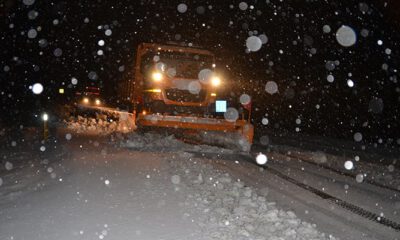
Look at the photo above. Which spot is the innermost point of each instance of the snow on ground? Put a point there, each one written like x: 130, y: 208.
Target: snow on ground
x: 104, y: 191
x: 229, y: 209
x: 25, y: 169
x: 152, y: 186
x: 384, y: 174
x: 232, y: 210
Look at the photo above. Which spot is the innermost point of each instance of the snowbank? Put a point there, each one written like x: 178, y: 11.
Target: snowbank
x: 231, y: 210
x: 101, y: 125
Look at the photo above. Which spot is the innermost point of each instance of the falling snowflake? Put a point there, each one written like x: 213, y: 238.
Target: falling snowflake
x: 346, y: 36
x: 261, y: 159
x: 253, y: 43
x: 349, y: 165
x: 37, y: 88
x: 182, y: 8
x: 271, y: 87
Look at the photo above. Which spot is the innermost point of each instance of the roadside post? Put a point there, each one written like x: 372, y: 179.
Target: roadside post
x: 45, y: 118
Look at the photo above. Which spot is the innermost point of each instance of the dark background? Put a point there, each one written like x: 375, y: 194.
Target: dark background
x: 295, y: 27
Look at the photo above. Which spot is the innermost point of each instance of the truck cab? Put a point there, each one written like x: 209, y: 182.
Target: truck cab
x: 175, y: 80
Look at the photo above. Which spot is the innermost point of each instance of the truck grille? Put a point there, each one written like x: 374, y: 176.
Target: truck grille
x: 184, y: 95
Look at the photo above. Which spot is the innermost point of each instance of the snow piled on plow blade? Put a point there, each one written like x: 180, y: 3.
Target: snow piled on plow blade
x: 165, y: 143
x: 236, y: 135
x: 159, y: 137
x: 231, y: 140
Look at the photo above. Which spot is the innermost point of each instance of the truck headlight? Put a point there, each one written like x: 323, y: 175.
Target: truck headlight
x: 85, y: 100
x: 215, y: 81
x: 97, y: 102
x: 157, y: 76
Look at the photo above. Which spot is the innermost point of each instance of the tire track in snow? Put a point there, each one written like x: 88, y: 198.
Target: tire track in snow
x: 368, y: 180
x: 346, y: 205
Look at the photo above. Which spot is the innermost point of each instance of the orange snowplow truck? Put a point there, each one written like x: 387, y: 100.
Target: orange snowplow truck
x: 177, y: 87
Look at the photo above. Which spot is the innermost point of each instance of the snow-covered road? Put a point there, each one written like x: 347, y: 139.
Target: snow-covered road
x: 92, y: 187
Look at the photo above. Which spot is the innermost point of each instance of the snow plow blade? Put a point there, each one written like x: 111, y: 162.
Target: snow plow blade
x: 238, y: 134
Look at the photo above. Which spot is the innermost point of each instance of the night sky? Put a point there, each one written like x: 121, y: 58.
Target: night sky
x: 299, y: 56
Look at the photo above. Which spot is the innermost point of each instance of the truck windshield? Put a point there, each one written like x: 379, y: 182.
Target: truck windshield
x: 177, y: 65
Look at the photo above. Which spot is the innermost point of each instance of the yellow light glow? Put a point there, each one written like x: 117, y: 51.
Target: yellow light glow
x: 157, y: 76
x: 97, y: 101
x: 86, y: 100
x: 216, y: 81
x: 213, y: 94
x: 153, y: 90
x: 61, y: 91
x: 144, y: 112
